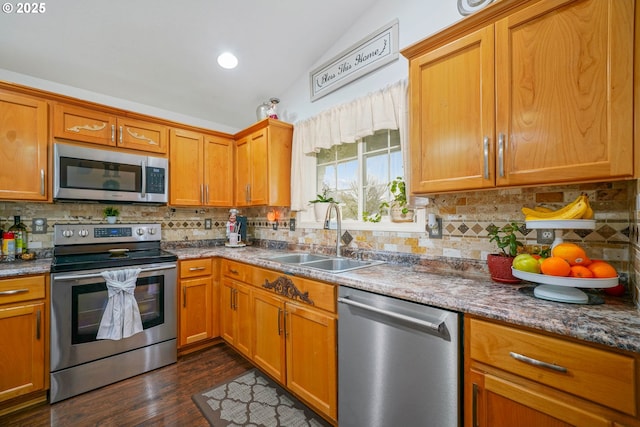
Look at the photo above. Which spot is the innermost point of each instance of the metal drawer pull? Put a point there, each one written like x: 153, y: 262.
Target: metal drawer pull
x: 14, y: 291
x: 423, y: 323
x: 232, y: 271
x: 196, y: 268
x: 536, y: 362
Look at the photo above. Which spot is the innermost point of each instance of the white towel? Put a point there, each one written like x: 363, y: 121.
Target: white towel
x: 121, y: 317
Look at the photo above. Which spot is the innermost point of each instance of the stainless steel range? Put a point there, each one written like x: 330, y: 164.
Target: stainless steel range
x: 84, y: 256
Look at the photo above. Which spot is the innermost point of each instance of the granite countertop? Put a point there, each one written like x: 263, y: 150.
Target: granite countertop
x: 615, y: 323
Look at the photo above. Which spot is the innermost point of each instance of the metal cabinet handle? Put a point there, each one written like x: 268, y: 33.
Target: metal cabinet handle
x: 474, y: 406
x: 206, y: 193
x: 279, y: 321
x: 196, y: 268
x: 184, y: 296
x: 201, y: 193
x: 42, y: 184
x: 485, y: 155
x: 536, y: 362
x: 14, y: 291
x: 120, y: 136
x: 247, y: 193
x: 38, y: 321
x: 286, y: 332
x: 113, y: 133
x: 501, y: 155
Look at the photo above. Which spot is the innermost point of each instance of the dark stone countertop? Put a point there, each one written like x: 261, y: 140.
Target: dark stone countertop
x: 614, y: 324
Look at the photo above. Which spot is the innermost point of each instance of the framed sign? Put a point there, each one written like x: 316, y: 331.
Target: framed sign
x: 371, y: 53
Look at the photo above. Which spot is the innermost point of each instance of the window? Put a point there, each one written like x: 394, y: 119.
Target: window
x: 357, y: 175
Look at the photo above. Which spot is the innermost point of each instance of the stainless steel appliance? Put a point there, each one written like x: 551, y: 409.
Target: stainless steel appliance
x: 399, y: 362
x: 79, y: 361
x: 83, y: 173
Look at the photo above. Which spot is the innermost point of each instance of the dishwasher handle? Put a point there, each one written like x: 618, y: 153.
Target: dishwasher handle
x: 439, y: 328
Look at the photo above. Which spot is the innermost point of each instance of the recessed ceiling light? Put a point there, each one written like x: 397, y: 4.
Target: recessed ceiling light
x: 227, y: 60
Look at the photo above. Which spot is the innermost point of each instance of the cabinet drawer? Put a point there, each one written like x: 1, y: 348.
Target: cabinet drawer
x: 195, y: 267
x: 21, y: 289
x: 236, y: 270
x: 601, y: 376
x: 316, y: 294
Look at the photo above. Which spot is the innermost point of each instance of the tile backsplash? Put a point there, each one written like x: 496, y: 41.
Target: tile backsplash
x: 465, y: 217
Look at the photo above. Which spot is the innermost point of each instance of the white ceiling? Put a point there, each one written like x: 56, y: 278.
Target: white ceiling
x: 163, y: 53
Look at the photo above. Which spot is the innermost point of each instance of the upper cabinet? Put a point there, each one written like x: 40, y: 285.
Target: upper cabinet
x: 263, y: 164
x: 201, y: 169
x: 524, y: 93
x: 24, y: 128
x: 97, y: 127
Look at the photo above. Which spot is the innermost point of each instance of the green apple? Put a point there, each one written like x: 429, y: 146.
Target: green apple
x: 526, y: 262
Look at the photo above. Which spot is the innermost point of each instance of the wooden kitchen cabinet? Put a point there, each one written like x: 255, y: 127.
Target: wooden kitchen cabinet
x: 524, y: 93
x: 295, y: 329
x: 24, y: 134
x: 514, y: 376
x: 263, y: 164
x: 201, y: 169
x: 199, y: 301
x: 23, y: 336
x: 236, y: 321
x: 99, y: 127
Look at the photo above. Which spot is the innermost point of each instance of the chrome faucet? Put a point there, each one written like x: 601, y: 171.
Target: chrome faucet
x: 327, y: 218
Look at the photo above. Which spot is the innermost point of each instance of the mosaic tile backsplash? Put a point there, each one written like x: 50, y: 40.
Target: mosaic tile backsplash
x: 465, y: 217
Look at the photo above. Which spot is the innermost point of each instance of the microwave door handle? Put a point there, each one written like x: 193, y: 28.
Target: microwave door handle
x: 144, y: 179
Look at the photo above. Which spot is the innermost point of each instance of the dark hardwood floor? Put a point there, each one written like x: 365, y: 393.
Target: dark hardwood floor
x: 157, y: 398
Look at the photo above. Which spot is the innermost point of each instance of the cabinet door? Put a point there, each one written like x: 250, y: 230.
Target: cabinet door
x: 80, y: 124
x: 186, y: 186
x: 452, y: 116
x: 311, y: 357
x: 243, y: 320
x: 218, y: 172
x: 242, y: 172
x: 564, y: 81
x: 141, y: 135
x: 227, y: 312
x: 269, y: 348
x: 258, y: 146
x: 22, y: 369
x: 23, y: 147
x: 196, y: 314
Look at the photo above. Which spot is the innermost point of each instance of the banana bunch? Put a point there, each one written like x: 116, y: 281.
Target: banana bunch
x: 578, y: 209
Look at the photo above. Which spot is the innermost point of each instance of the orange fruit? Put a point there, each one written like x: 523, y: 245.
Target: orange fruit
x: 580, y: 271
x: 602, y: 270
x: 555, y: 266
x: 572, y: 253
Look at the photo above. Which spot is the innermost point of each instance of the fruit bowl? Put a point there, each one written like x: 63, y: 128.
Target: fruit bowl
x: 574, y: 282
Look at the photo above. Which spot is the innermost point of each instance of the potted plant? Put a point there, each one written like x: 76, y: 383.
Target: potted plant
x: 399, y: 206
x: 500, y: 263
x: 321, y: 203
x: 111, y: 214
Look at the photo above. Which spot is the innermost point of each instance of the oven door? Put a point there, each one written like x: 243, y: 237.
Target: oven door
x: 78, y: 300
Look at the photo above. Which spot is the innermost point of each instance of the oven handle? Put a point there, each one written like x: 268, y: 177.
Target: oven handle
x: 92, y: 275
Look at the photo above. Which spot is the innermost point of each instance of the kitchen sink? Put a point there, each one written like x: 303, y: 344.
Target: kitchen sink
x: 297, y: 258
x: 323, y: 262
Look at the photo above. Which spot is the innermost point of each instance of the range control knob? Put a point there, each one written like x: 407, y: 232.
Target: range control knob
x: 67, y: 233
x: 139, y: 231
x: 83, y: 233
x: 152, y: 231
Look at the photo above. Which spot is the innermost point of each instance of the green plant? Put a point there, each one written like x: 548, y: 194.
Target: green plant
x: 110, y: 211
x: 398, y: 190
x: 505, y: 238
x: 323, y: 197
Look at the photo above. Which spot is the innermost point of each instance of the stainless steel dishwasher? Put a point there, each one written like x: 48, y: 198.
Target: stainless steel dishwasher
x: 398, y: 362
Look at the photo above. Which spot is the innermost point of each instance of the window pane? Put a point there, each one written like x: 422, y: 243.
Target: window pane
x: 377, y: 141
x: 349, y: 202
x: 394, y: 136
x: 326, y: 177
x: 325, y: 156
x: 347, y: 174
x: 396, y: 164
x: 376, y: 167
x: 346, y: 151
x: 373, y: 196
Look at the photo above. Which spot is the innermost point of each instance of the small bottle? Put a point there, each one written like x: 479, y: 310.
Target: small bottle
x: 8, y: 246
x: 19, y: 231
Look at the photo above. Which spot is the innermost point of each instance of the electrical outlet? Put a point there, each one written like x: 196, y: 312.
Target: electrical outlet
x: 292, y: 224
x: 545, y: 237
x: 39, y: 226
x: 207, y: 224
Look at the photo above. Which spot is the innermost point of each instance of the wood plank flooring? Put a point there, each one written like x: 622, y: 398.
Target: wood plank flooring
x: 157, y: 398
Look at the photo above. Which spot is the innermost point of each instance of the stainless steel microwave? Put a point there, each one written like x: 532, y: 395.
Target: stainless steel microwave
x: 82, y: 173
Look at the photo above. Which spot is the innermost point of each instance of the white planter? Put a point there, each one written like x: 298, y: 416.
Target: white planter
x: 398, y: 216
x: 320, y: 209
x: 112, y: 219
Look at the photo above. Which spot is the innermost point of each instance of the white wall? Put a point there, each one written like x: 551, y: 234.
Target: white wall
x: 417, y: 20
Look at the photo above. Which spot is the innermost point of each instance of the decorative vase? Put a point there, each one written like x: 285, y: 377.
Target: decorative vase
x: 112, y: 219
x: 500, y: 268
x: 320, y: 210
x: 397, y: 216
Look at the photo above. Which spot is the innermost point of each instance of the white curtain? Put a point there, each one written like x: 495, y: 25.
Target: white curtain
x: 345, y: 124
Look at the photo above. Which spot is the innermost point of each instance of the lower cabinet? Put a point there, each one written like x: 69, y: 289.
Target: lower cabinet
x: 519, y: 377
x: 198, y: 300
x: 235, y: 315
x: 23, y: 334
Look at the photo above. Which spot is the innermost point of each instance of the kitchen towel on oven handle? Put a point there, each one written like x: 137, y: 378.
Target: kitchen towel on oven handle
x: 121, y: 317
